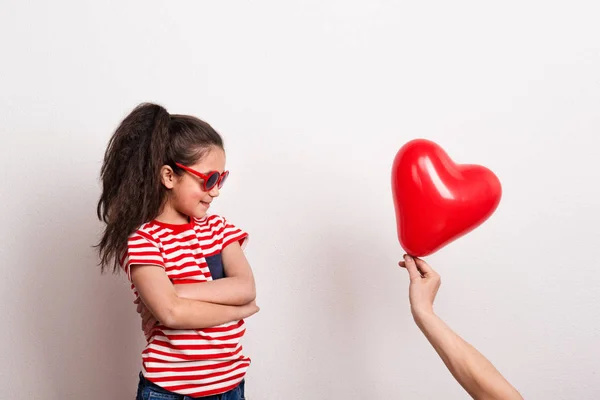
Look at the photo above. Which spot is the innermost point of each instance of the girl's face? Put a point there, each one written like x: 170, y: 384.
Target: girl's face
x: 186, y: 195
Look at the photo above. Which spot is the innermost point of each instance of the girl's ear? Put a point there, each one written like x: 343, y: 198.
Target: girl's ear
x: 167, y: 176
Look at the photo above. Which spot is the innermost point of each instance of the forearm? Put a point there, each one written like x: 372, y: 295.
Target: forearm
x: 233, y: 291
x: 194, y: 314
x: 469, y: 367
x: 158, y: 294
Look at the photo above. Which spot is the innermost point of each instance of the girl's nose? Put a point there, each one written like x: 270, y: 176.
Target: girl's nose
x: 214, y: 192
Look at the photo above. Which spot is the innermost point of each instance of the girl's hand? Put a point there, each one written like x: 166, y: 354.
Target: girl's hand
x: 424, y: 285
x: 248, y: 309
x: 148, y: 320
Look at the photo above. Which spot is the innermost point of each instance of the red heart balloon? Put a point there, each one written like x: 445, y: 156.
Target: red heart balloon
x: 436, y: 200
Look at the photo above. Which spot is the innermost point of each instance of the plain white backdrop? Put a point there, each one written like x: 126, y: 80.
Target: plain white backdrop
x: 313, y: 98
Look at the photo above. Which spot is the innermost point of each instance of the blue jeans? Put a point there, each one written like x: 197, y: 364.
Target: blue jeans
x: 150, y: 391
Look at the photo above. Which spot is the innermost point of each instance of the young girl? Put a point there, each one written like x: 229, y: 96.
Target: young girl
x: 160, y: 174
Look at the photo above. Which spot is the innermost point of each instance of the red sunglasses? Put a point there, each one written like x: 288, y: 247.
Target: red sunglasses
x: 209, y: 181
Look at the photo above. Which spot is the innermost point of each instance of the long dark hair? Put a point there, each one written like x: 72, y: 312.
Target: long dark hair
x: 132, y: 192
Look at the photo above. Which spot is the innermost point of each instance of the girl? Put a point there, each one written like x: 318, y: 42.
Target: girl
x: 160, y: 174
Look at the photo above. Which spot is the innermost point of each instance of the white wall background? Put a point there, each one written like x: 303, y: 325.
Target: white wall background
x: 314, y: 99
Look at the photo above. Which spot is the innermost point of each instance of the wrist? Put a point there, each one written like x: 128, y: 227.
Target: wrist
x: 422, y: 314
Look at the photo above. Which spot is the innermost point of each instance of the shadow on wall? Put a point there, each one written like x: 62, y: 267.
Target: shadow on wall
x: 83, y: 324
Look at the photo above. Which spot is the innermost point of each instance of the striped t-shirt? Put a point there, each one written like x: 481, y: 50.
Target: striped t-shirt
x: 192, y: 362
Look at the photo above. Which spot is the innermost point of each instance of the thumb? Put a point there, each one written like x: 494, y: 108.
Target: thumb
x: 410, y: 265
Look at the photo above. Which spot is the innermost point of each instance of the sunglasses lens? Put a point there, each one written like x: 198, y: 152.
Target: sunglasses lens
x: 223, y: 178
x: 212, y: 180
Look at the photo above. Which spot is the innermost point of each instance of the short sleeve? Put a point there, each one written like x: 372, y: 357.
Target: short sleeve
x: 232, y: 233
x: 142, y: 249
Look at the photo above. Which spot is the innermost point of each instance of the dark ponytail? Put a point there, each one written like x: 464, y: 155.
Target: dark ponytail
x: 132, y: 192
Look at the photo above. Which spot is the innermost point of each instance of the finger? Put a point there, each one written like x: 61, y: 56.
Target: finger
x: 424, y: 267
x: 411, y: 267
x: 136, y: 301
x: 148, y: 326
x: 139, y: 308
x: 146, y: 315
x: 402, y: 264
x: 151, y: 324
